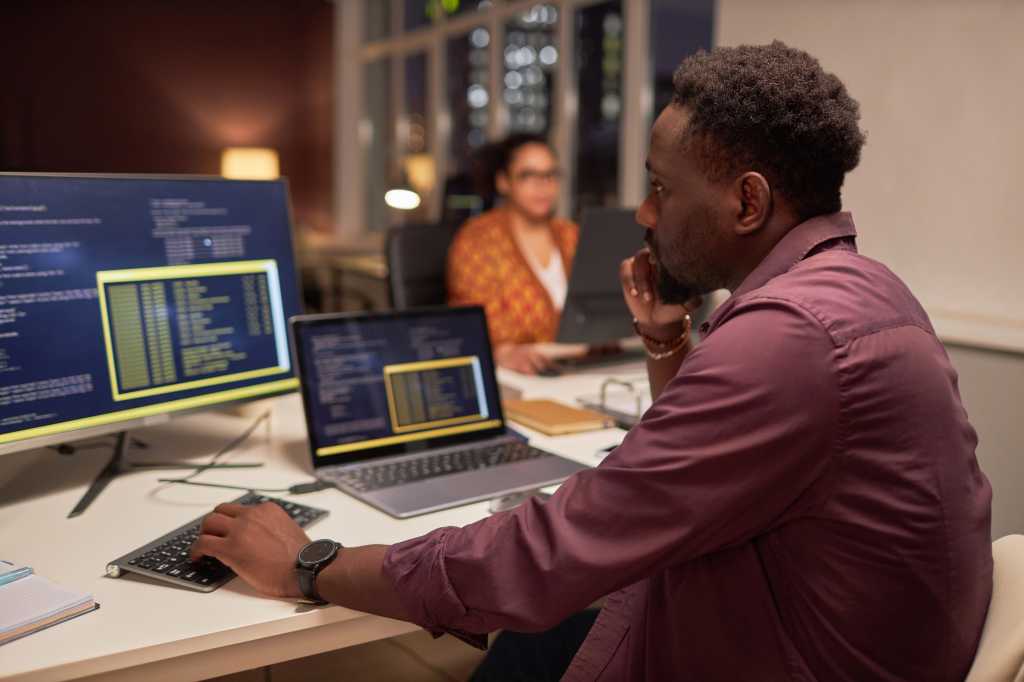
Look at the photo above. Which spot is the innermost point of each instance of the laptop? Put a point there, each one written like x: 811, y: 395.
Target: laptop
x: 595, y: 312
x: 596, y: 327
x: 403, y: 411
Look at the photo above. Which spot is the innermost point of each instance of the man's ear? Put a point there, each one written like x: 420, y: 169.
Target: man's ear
x: 753, y: 196
x: 501, y: 183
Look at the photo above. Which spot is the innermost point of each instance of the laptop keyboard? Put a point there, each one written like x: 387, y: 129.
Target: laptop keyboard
x: 375, y: 477
x: 167, y: 557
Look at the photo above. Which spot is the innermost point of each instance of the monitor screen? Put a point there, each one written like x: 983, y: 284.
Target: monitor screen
x: 386, y: 383
x: 129, y: 298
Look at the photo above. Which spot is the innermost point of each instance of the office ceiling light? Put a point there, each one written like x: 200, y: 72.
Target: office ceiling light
x: 402, y: 198
x: 249, y: 163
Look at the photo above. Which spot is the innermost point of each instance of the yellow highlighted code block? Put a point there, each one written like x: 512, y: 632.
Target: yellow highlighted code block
x: 160, y: 331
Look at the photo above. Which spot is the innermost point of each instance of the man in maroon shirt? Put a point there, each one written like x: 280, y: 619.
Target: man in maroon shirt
x: 801, y: 502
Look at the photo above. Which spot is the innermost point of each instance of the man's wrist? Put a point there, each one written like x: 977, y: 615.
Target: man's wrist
x: 661, y: 333
x: 670, y: 342
x: 311, y: 560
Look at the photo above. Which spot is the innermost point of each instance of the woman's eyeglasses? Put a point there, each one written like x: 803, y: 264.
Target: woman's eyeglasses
x: 534, y: 176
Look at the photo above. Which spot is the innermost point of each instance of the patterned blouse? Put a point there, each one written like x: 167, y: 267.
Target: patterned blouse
x: 486, y: 267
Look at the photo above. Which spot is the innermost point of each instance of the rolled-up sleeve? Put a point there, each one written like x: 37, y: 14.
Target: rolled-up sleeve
x: 734, y: 447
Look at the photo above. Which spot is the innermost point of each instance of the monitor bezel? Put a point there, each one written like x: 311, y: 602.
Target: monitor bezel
x: 73, y: 434
x: 398, y: 449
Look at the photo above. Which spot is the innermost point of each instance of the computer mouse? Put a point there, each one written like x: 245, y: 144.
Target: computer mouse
x: 549, y: 371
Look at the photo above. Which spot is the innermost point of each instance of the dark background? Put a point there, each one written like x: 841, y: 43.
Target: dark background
x: 162, y: 86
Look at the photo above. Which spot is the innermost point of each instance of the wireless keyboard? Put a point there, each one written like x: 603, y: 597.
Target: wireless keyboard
x: 167, y: 557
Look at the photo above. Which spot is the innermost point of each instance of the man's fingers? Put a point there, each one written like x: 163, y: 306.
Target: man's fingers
x: 228, y: 509
x: 636, y: 275
x: 216, y: 524
x: 626, y: 277
x: 209, y: 545
x: 643, y: 275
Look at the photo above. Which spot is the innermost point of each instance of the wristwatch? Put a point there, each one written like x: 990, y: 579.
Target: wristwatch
x: 313, y: 558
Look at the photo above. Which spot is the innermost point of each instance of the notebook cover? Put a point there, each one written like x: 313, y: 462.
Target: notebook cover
x: 554, y: 418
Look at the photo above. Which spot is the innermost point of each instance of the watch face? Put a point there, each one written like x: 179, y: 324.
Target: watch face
x: 317, y: 551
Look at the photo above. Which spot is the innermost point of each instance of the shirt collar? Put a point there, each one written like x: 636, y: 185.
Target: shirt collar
x: 791, y: 249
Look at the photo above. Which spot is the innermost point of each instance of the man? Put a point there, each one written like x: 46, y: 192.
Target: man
x: 802, y: 501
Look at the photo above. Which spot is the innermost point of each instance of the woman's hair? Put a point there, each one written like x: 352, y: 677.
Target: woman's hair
x: 507, y: 148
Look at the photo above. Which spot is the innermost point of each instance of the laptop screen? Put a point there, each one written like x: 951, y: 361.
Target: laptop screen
x: 384, y: 384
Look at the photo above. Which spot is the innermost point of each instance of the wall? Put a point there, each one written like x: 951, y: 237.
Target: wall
x: 992, y: 388
x: 935, y: 195
x: 938, y: 185
x: 153, y: 86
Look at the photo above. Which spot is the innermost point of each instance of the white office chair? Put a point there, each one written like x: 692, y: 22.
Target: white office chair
x: 1000, y: 656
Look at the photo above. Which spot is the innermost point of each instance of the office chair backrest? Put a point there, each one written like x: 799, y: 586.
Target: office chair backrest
x: 416, y: 264
x: 1001, y: 650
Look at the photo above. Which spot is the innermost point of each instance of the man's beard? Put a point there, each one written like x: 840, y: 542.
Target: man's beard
x: 670, y: 288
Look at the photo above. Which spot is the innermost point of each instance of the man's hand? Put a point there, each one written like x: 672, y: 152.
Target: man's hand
x: 524, y: 358
x: 656, y: 319
x: 260, y: 543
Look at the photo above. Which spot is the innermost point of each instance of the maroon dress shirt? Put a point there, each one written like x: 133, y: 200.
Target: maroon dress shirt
x: 802, y: 502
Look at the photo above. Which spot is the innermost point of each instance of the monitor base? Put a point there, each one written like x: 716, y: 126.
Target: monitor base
x: 117, y: 466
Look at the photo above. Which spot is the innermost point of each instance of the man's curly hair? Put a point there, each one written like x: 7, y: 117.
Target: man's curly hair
x: 774, y: 110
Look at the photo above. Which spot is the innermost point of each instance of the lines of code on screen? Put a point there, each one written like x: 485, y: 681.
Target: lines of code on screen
x: 127, y: 297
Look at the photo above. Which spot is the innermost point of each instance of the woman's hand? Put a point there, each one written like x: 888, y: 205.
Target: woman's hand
x: 524, y: 358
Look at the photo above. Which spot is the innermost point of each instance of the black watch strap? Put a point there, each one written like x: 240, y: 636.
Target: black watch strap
x: 307, y: 584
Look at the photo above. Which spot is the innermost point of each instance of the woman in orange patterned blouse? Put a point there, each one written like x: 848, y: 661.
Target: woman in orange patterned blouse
x: 515, y: 259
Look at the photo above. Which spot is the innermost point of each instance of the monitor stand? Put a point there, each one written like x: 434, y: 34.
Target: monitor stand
x: 117, y: 465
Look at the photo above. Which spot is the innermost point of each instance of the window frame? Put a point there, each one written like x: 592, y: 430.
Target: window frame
x: 353, y: 53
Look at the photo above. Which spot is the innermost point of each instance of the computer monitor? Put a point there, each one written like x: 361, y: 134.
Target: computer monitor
x: 127, y: 299
x: 595, y: 311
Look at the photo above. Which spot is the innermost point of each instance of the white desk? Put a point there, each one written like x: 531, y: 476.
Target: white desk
x: 157, y: 632
x: 571, y: 385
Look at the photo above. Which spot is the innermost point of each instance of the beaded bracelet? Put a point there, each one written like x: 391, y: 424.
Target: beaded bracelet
x: 664, y: 349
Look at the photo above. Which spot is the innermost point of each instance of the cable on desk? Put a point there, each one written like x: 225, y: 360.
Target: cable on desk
x: 297, y: 489
x: 242, y: 437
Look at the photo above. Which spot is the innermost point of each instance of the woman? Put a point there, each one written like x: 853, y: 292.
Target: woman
x: 515, y: 259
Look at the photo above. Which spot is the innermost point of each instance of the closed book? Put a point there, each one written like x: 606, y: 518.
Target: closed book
x: 33, y: 603
x: 554, y: 418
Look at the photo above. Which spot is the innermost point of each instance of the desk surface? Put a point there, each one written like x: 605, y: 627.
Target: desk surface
x: 164, y: 632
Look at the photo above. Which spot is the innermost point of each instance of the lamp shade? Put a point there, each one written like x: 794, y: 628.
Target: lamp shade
x: 249, y: 163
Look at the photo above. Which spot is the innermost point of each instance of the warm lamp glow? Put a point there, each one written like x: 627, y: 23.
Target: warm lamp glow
x: 402, y: 199
x: 420, y: 170
x: 249, y: 163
